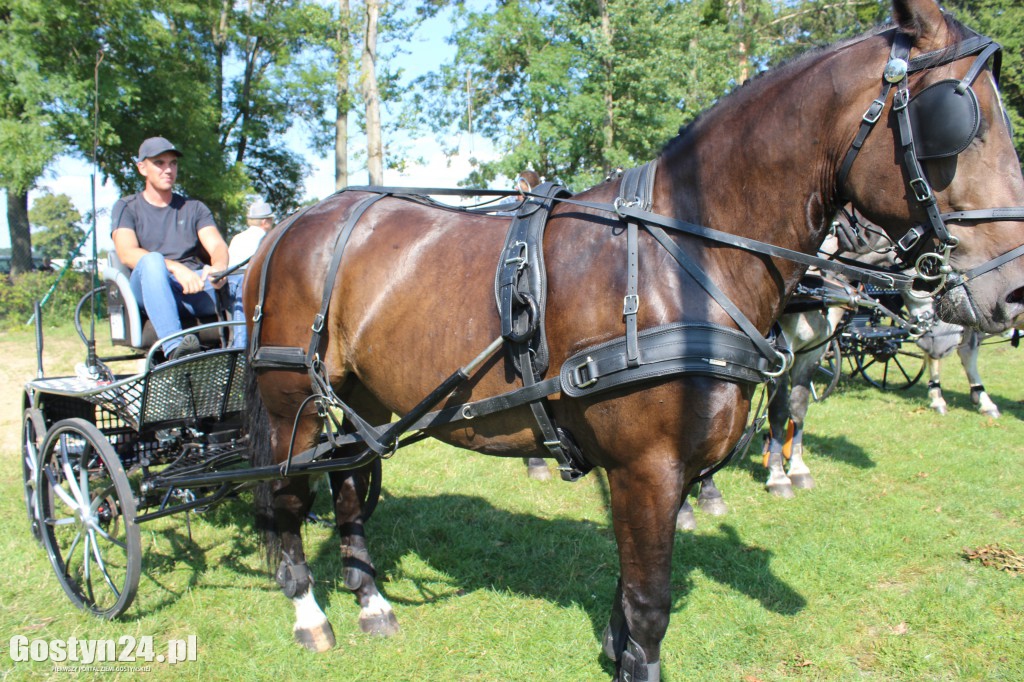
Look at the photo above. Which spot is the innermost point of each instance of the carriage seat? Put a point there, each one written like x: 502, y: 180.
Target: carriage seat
x: 129, y: 325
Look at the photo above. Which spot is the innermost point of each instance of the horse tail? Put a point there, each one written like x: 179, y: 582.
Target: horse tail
x: 257, y: 425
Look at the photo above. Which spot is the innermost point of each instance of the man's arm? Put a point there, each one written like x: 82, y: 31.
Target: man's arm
x: 127, y: 246
x: 215, y: 245
x: 126, y: 243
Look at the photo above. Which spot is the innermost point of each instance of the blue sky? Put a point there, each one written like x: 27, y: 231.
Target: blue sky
x: 426, y: 52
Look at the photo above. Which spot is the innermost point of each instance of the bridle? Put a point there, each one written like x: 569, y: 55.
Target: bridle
x: 938, y: 122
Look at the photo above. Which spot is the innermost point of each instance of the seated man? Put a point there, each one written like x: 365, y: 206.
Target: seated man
x: 159, y: 235
x: 243, y: 245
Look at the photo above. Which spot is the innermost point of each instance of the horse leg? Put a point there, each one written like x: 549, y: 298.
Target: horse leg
x: 938, y: 403
x: 799, y: 474
x: 968, y: 352
x: 375, y: 616
x: 537, y: 468
x: 291, y: 503
x: 644, y: 505
x: 685, y: 520
x: 710, y: 498
x: 778, y: 482
x: 283, y: 504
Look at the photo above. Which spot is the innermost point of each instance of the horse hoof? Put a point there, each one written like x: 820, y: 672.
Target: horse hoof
x: 941, y: 409
x: 991, y: 414
x: 382, y: 624
x: 802, y: 481
x: 685, y: 520
x: 715, y: 506
x: 316, y: 639
x: 783, y: 490
x: 539, y: 472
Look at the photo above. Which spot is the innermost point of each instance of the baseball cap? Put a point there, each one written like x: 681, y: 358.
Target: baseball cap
x: 155, y: 146
x: 260, y: 209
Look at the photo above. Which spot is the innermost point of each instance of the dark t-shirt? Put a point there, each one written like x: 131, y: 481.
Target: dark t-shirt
x: 171, y: 230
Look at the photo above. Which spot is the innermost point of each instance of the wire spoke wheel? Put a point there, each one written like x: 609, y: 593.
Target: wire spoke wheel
x: 826, y: 375
x: 885, y: 357
x: 33, y: 428
x: 87, y: 518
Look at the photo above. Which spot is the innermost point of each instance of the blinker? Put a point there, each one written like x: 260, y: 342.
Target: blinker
x: 895, y: 70
x: 944, y: 118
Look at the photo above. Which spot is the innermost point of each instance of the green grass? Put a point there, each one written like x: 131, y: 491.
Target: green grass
x: 496, y: 577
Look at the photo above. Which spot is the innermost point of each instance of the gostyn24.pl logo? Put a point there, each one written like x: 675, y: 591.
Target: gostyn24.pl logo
x: 126, y: 649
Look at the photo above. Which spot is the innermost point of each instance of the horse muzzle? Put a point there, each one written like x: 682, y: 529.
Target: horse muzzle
x: 960, y: 304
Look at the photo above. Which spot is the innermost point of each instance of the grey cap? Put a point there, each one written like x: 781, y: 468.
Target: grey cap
x: 260, y: 209
x: 155, y: 146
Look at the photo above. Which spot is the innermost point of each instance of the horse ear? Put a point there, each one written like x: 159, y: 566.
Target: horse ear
x: 922, y: 20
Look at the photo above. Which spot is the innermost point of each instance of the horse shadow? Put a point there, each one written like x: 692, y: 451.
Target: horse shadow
x: 189, y: 552
x: 836, y: 448
x: 959, y: 400
x: 471, y: 545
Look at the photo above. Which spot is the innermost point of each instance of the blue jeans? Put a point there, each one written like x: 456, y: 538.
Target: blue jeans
x: 163, y: 299
x: 238, y: 334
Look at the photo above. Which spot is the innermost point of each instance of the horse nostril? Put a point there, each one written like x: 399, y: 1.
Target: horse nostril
x: 1016, y: 296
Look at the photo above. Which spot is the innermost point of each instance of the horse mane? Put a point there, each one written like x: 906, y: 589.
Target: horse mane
x: 957, y: 29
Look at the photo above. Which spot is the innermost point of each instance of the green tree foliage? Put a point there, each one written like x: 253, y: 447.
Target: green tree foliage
x: 58, y: 226
x: 225, y: 81
x: 574, y: 89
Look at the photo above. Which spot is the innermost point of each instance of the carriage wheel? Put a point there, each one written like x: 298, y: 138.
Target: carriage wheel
x: 826, y: 375
x: 886, y: 360
x: 87, y: 517
x: 33, y: 428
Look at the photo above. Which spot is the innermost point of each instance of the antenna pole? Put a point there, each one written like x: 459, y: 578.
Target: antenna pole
x: 91, y: 345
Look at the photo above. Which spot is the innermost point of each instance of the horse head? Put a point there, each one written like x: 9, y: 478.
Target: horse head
x: 939, y: 171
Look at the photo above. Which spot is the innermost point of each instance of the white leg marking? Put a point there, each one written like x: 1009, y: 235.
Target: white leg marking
x: 377, y: 606
x: 308, y: 615
x: 797, y: 467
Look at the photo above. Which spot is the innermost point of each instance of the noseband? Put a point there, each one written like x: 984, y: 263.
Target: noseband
x: 941, y: 121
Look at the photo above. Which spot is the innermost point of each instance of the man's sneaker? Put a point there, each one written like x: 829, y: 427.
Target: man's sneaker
x: 189, y: 345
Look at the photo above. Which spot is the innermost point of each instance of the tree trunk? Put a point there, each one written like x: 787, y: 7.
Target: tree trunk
x: 342, y: 100
x: 371, y: 95
x: 20, y: 233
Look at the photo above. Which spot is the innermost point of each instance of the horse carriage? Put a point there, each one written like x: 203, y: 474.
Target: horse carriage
x: 633, y: 326
x: 873, y: 339
x: 104, y: 453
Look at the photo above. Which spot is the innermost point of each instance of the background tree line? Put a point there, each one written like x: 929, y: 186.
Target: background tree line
x: 571, y: 88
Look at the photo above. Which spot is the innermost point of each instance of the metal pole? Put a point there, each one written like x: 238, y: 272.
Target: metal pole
x: 91, y: 345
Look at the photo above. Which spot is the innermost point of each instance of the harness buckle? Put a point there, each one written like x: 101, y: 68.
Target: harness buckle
x: 630, y: 304
x: 922, y: 192
x: 874, y: 112
x: 318, y: 323
x: 900, y: 100
x: 910, y: 239
x: 619, y: 204
x: 585, y: 373
x: 522, y: 259
x: 257, y: 313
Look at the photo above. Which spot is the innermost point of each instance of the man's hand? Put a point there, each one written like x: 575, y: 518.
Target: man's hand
x: 191, y: 282
x: 217, y: 283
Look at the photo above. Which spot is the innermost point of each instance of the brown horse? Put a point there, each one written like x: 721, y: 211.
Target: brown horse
x: 414, y: 298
